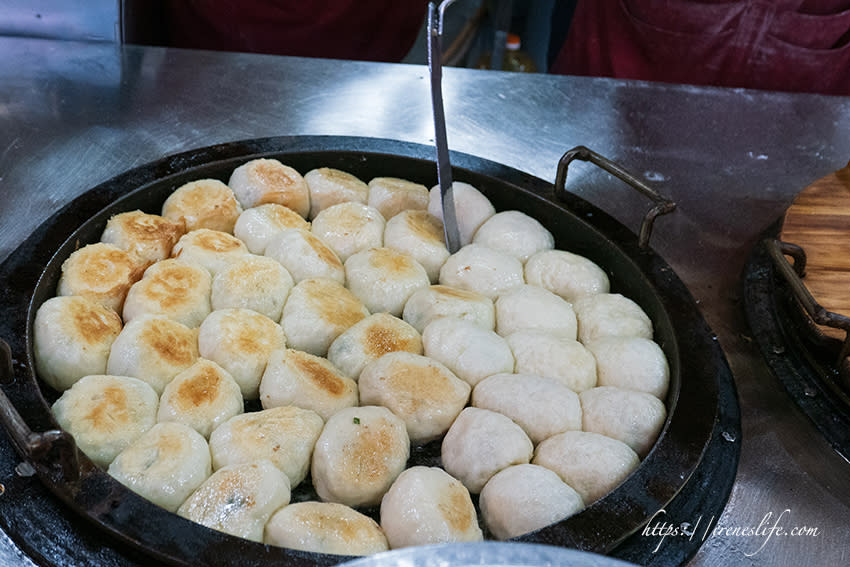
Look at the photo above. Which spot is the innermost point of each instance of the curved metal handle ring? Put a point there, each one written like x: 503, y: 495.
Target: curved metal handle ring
x: 662, y: 206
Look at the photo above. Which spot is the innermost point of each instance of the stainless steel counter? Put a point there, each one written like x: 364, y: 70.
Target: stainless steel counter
x: 74, y: 114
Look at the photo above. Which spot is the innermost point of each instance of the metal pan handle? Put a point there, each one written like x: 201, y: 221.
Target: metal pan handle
x: 53, y: 452
x: 662, y: 206
x: 778, y: 250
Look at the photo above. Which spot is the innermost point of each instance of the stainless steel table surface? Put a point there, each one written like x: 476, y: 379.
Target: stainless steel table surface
x: 75, y: 114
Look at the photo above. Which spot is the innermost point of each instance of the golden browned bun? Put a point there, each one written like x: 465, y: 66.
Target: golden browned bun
x: 329, y: 187
x: 256, y: 226
x: 212, y: 249
x: 391, y: 196
x: 370, y: 339
x: 178, y: 290
x: 150, y: 237
x: 262, y: 181
x: 100, y: 272
x: 73, y: 336
x: 205, y: 203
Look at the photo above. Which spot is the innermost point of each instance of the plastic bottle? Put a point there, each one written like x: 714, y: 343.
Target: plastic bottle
x: 514, y: 59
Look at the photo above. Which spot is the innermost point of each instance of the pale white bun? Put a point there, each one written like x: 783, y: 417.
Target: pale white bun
x: 165, y: 465
x: 635, y: 418
x: 552, y: 356
x: 325, y: 527
x: 541, y: 406
x: 348, y: 228
x: 203, y: 396
x: 425, y: 505
x: 240, y: 341
x: 384, y: 279
x: 285, y: 435
x: 317, y: 311
x: 391, y: 195
x: 305, y: 256
x: 212, y: 249
x: 258, y: 225
x: 533, y: 307
x: 569, y: 275
x: 472, y: 208
x: 591, y: 463
x: 100, y: 272
x: 466, y: 349
x: 514, y: 233
x: 106, y: 413
x: 631, y: 363
x: 72, y: 337
x: 252, y: 282
x: 239, y: 499
x: 478, y: 268
x: 359, y: 454
x: 149, y: 237
x: 330, y: 186
x: 370, y: 339
x: 205, y: 203
x: 435, y: 301
x: 153, y: 348
x: 524, y: 498
x: 421, y: 391
x: 172, y: 288
x: 300, y: 379
x: 480, y: 443
x: 262, y: 181
x: 420, y: 235
x: 610, y: 315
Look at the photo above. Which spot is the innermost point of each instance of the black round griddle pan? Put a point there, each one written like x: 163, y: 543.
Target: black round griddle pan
x: 701, y: 402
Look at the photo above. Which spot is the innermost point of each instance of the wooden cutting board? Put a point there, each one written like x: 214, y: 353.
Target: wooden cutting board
x: 819, y: 222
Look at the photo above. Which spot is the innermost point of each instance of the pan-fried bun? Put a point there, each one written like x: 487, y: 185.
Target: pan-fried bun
x: 101, y: 272
x: 212, y: 249
x: 610, y: 315
x: 240, y: 341
x: 422, y: 392
x: 514, y: 233
x: 533, y: 307
x: 632, y: 363
x: 252, y: 282
x: 466, y: 349
x: 305, y: 256
x: 524, y: 498
x: 203, y: 396
x: 425, y: 505
x: 165, y: 465
x: 569, y: 275
x: 635, y: 418
x: 106, y: 413
x: 391, y: 195
x: 262, y: 181
x: 472, y: 208
x: 541, y: 406
x: 205, y: 203
x: 297, y: 378
x: 359, y: 454
x: 370, y: 339
x: 420, y: 235
x: 325, y: 527
x: 174, y: 289
x: 480, y: 443
x: 331, y: 186
x: 153, y: 348
x: 318, y: 311
x: 384, y: 279
x: 348, y: 228
x: 285, y: 435
x: 544, y: 354
x: 591, y: 463
x: 478, y: 268
x: 72, y: 339
x: 256, y: 226
x: 239, y: 499
x: 435, y: 301
x: 149, y: 237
